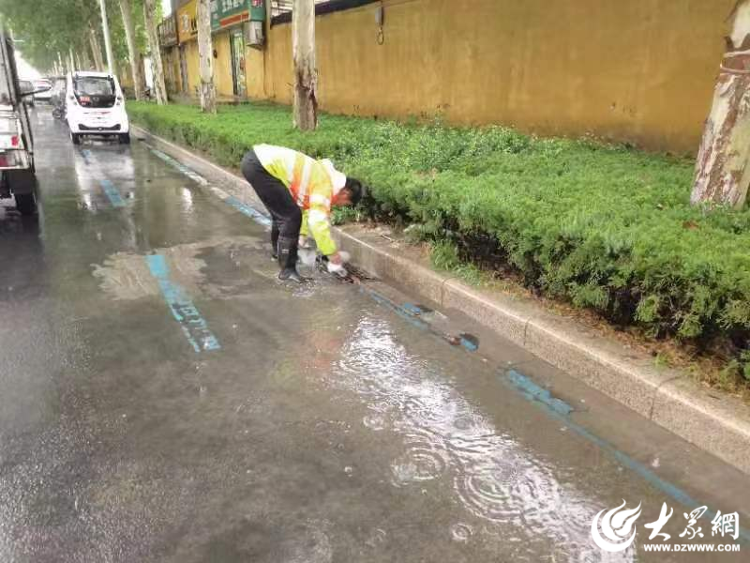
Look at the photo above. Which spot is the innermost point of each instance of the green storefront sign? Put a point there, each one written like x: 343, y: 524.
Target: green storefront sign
x: 225, y: 13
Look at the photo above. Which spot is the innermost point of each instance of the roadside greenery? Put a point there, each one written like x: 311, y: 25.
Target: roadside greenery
x: 601, y: 227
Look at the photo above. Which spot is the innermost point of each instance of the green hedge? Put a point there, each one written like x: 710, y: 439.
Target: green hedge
x: 603, y: 227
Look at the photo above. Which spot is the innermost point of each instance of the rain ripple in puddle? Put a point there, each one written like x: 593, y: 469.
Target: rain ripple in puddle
x: 511, y: 490
x: 423, y: 461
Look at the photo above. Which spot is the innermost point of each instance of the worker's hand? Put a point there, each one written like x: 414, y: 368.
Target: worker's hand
x: 339, y: 258
x: 337, y: 269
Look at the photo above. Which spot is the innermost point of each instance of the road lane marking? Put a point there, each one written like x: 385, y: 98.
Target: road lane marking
x: 112, y: 193
x: 251, y: 212
x: 194, y: 176
x: 108, y: 187
x: 181, y: 306
x: 558, y: 411
x: 534, y: 392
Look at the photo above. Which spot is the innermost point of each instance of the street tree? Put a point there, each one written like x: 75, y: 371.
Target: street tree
x: 723, y: 166
x: 205, y: 56
x: 305, y: 73
x: 96, y: 48
x: 134, y: 56
x: 58, y: 31
x: 151, y: 21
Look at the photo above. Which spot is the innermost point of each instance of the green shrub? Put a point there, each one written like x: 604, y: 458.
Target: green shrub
x: 603, y: 227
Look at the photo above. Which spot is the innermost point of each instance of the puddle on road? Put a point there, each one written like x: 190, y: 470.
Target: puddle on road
x: 514, y: 495
x: 126, y: 276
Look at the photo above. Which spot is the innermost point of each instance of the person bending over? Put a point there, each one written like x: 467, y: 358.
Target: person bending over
x: 295, y: 188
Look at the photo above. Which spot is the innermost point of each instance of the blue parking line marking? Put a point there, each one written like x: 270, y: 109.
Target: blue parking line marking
x: 194, y: 176
x: 534, y: 392
x: 112, y: 193
x: 561, y: 411
x: 181, y: 306
x: 251, y: 212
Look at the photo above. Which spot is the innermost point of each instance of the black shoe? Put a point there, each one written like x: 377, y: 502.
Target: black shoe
x: 287, y: 256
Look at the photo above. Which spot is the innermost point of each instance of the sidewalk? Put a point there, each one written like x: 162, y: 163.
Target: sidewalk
x: 715, y: 422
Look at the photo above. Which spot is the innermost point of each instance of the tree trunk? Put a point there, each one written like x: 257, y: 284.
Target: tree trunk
x: 133, y: 56
x: 723, y: 166
x: 85, y: 57
x: 305, y: 73
x: 96, y: 49
x: 107, y: 37
x: 149, y: 15
x: 206, y: 57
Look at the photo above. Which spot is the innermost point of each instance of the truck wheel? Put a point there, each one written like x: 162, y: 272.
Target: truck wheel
x: 26, y: 204
x: 76, y: 138
x: 125, y: 138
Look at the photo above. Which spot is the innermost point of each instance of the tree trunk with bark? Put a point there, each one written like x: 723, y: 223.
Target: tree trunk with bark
x: 149, y: 16
x: 305, y: 73
x: 133, y: 55
x: 85, y: 57
x: 96, y: 49
x: 206, y: 57
x: 723, y: 166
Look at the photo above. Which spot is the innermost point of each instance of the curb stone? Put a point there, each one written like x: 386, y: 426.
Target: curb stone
x: 711, y: 420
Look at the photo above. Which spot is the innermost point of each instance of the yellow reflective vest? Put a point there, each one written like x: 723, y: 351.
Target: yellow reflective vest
x: 310, y: 186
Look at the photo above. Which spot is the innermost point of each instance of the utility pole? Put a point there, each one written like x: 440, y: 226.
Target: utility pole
x: 305, y: 73
x: 107, y: 39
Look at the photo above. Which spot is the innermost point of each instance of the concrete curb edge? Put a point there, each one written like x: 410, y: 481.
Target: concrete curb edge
x: 714, y: 422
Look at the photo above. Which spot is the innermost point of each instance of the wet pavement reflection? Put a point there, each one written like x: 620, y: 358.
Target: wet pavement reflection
x: 164, y: 398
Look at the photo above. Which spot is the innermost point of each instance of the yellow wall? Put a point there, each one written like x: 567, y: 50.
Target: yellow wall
x: 255, y: 75
x: 193, y: 68
x: 640, y: 71
x: 171, y: 60
x: 223, y: 65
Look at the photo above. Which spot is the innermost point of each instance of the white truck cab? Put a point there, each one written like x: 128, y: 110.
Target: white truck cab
x: 95, y: 105
x: 17, y: 174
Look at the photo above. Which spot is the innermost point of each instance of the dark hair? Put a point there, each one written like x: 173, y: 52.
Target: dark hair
x: 356, y: 190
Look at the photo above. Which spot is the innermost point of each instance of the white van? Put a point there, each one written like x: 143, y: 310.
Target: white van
x: 95, y: 105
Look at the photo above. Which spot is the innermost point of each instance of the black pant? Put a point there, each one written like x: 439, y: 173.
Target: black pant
x: 286, y: 214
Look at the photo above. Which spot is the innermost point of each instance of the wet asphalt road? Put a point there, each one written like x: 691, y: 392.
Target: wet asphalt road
x: 280, y: 424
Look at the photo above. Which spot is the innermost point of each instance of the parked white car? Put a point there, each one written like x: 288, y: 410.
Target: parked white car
x: 43, y: 88
x: 95, y: 105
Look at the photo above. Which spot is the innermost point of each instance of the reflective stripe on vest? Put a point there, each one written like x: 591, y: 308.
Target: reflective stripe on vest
x: 301, y: 180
